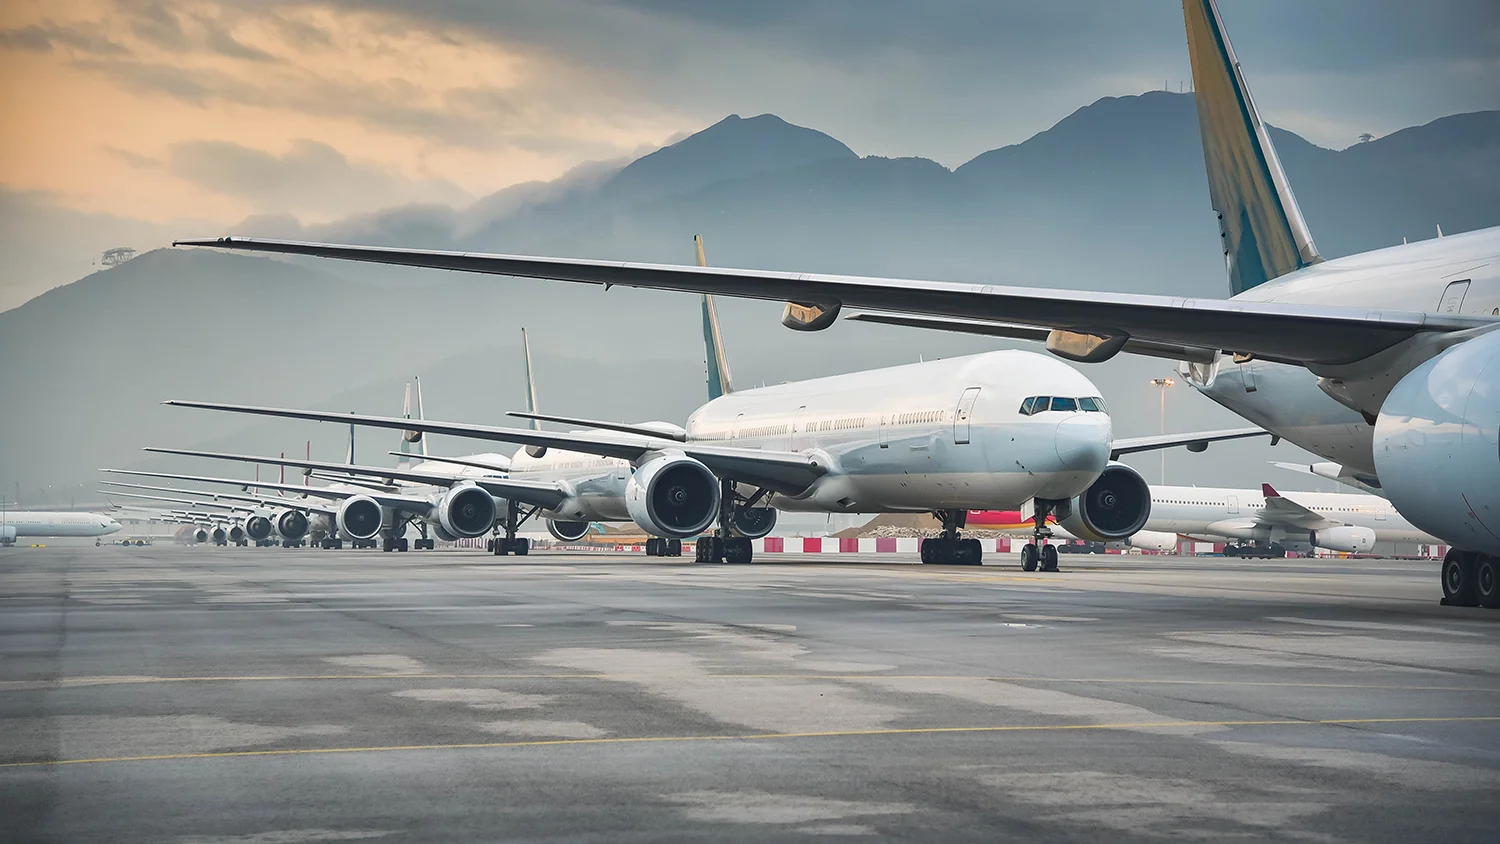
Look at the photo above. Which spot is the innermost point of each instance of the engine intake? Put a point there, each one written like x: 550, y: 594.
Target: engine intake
x: 754, y: 522
x: 360, y: 517
x: 567, y: 531
x: 1117, y: 505
x: 292, y: 524
x: 258, y: 528
x: 200, y: 535
x: 236, y: 533
x: 467, y: 511
x: 672, y: 495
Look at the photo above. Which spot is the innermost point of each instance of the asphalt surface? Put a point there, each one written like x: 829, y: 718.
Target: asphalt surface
x: 270, y: 696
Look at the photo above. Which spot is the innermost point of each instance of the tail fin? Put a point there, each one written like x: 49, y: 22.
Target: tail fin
x: 349, y: 452
x: 1264, y: 235
x: 530, y: 382
x: 719, y: 381
x: 410, y: 438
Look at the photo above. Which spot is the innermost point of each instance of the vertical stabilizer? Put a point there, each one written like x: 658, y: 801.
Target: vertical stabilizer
x: 413, y: 443
x: 719, y: 381
x: 1264, y: 235
x: 530, y: 381
x: 349, y: 452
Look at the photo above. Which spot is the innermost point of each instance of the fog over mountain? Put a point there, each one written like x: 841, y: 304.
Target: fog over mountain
x: 1111, y: 198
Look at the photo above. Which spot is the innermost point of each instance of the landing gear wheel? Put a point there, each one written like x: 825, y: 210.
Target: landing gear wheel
x: 674, y: 548
x: 1487, y: 581
x: 1458, y: 579
x: 1029, y: 556
x: 970, y: 552
x: 1049, y: 558
x: 653, y: 547
x: 737, y: 549
x: 521, y: 547
x: 710, y: 549
x: 500, y: 547
x: 402, y: 545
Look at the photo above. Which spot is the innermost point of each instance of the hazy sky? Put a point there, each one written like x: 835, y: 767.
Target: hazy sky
x: 165, y: 110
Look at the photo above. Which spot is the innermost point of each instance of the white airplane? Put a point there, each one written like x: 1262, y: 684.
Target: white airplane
x: 1386, y: 363
x: 290, y: 521
x: 1269, y: 523
x: 17, y: 524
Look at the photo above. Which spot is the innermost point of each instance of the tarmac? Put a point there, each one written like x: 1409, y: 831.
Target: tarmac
x: 279, y: 696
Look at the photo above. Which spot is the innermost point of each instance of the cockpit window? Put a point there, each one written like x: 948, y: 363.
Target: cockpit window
x: 1092, y: 405
x: 1060, y: 403
x: 1027, y: 405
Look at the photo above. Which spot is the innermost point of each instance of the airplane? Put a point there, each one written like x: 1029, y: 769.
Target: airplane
x: 1386, y: 363
x: 16, y: 524
x: 291, y: 521
x: 256, y: 524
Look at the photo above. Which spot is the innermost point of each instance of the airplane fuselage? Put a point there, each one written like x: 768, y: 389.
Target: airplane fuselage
x: 35, y: 523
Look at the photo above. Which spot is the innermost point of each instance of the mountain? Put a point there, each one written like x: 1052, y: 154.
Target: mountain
x: 1111, y: 198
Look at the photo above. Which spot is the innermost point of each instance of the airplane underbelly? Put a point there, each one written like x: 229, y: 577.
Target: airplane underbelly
x: 920, y: 492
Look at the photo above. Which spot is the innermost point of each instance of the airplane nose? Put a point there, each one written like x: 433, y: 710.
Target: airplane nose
x: 1083, y: 441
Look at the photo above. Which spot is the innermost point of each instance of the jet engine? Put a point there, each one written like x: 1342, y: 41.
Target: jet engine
x: 672, y: 495
x: 360, y: 517
x: 7, y: 534
x: 567, y: 531
x: 466, y: 511
x: 200, y: 535
x: 236, y: 534
x: 1437, y: 445
x: 1117, y: 505
x: 258, y: 528
x: 1348, y: 538
x: 292, y: 524
x: 754, y: 522
x: 219, y: 536
x: 1153, y: 540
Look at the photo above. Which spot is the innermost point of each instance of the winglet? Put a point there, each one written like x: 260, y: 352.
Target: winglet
x: 1264, y: 233
x: 719, y: 381
x: 1269, y: 491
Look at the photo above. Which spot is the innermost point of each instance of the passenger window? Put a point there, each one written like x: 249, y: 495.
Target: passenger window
x: 1060, y: 403
x: 1027, y: 405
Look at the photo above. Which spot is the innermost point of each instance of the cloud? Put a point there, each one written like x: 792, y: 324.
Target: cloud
x: 134, y: 159
x: 310, y: 178
x: 48, y: 36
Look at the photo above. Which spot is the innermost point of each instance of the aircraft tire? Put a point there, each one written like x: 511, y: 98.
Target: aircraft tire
x: 970, y: 552
x: 1029, y: 557
x: 1049, y: 558
x: 674, y: 548
x: 522, y: 547
x: 1487, y: 581
x: 1458, y: 574
x: 738, y: 550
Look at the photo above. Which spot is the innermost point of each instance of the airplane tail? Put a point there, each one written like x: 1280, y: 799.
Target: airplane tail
x: 719, y: 381
x: 530, y: 382
x: 349, y: 452
x: 1264, y: 235
x: 413, y: 444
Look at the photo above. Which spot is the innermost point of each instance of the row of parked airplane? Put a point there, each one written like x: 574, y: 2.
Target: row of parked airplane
x: 1386, y: 364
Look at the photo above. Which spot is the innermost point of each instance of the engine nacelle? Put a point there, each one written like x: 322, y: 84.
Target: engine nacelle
x: 360, y: 517
x: 258, y: 528
x: 567, y: 531
x: 219, y: 536
x: 466, y: 511
x: 1153, y: 540
x: 1347, y: 538
x: 1437, y: 445
x: 200, y: 535
x: 236, y: 533
x: 1117, y: 505
x: 8, y: 534
x: 672, y: 495
x: 437, y: 530
x: 754, y: 522
x: 292, y: 524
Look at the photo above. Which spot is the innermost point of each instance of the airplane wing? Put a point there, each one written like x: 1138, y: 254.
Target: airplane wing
x: 406, y: 503
x: 645, y: 430
x: 1306, y: 334
x: 1194, y: 442
x: 263, y: 500
x: 459, y: 461
x: 1145, y: 348
x: 547, y: 495
x: 789, y: 472
x: 1336, y: 472
x: 1285, y: 512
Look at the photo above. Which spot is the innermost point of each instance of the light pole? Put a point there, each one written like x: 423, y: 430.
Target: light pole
x: 1162, y: 384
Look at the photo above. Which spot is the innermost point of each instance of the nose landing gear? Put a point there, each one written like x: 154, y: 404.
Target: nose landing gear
x: 1037, y: 554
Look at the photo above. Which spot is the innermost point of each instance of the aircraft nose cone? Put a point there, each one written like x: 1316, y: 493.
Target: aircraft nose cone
x: 1083, y: 441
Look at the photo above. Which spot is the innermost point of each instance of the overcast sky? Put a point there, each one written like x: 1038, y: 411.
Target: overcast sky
x: 211, y: 110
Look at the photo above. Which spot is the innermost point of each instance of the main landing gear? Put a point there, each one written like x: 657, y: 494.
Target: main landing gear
x: 660, y: 546
x: 424, y: 542
x: 949, y: 549
x: 510, y: 543
x: 1471, y: 579
x: 725, y: 546
x: 1036, y: 553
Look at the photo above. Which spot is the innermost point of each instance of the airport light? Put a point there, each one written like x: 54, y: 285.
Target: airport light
x: 1162, y: 384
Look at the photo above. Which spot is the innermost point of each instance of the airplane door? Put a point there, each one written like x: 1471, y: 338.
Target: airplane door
x: 1234, y: 505
x: 1453, y: 297
x: 961, y: 418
